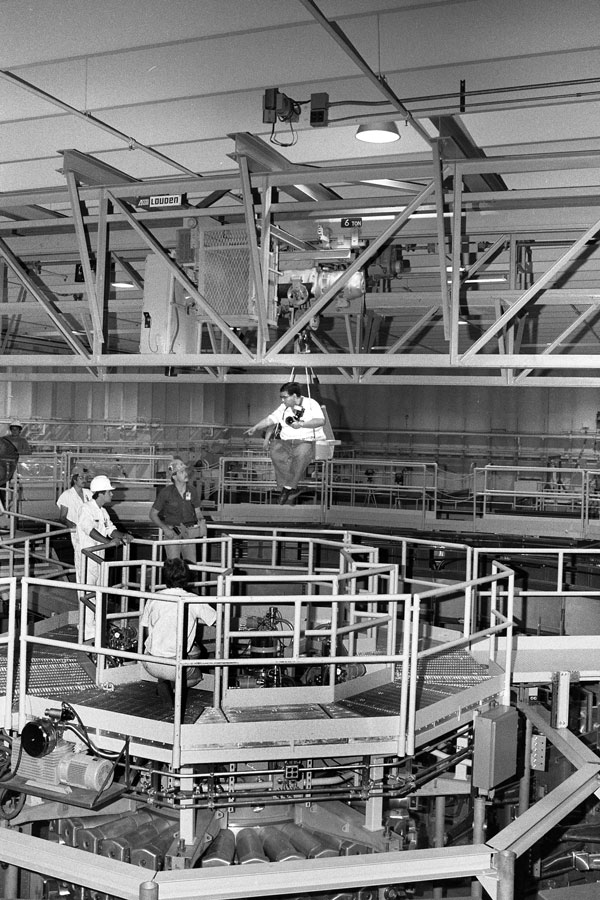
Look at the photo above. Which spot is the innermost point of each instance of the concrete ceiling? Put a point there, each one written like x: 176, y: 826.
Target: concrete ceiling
x: 155, y: 91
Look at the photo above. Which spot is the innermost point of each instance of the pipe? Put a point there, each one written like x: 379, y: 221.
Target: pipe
x: 506, y: 874
x: 478, y: 838
x: 440, y: 827
x: 525, y: 782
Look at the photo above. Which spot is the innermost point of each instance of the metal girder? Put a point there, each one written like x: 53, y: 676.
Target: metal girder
x: 123, y: 880
x: 567, y: 743
x: 544, y: 815
x: 402, y: 363
x: 130, y: 271
x: 531, y: 292
x: 31, y: 212
x: 86, y: 264
x: 14, y: 263
x: 457, y: 223
x: 438, y: 178
x: 417, y: 362
x: 286, y: 238
x: 255, y: 262
x: 70, y: 864
x: 402, y: 341
x: 355, y: 266
x: 557, y: 342
x: 485, y: 257
x: 329, y: 874
x: 323, y: 349
x: 335, y: 32
x: 458, y: 143
x: 92, y: 171
x: 262, y: 158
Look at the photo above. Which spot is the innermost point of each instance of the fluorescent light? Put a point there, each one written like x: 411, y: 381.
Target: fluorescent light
x: 125, y: 285
x: 487, y: 279
x: 378, y: 133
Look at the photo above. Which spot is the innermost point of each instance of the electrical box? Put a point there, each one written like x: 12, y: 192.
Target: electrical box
x: 319, y: 110
x: 495, y: 747
x: 270, y: 100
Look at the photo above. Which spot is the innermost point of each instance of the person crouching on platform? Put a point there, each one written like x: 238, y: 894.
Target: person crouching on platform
x: 176, y: 511
x: 160, y: 618
x: 298, y: 424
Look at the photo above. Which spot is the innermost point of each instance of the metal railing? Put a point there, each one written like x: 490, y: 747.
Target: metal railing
x: 361, y: 615
x: 421, y: 491
x: 8, y: 594
x: 21, y: 552
x: 559, y: 565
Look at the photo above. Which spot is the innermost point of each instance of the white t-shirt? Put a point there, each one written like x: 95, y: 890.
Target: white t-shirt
x: 72, y: 502
x: 312, y: 410
x: 160, y: 618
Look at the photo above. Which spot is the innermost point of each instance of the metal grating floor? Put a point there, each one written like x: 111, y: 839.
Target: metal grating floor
x: 141, y: 699
x: 438, y: 677
x: 52, y: 672
x: 67, y: 675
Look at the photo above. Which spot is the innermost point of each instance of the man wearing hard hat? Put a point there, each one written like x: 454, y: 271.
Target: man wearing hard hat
x: 94, y: 526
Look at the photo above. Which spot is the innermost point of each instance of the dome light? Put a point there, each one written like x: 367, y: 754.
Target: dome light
x: 378, y: 133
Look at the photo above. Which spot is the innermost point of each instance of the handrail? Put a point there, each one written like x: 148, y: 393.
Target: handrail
x: 219, y: 588
x: 8, y: 640
x: 91, y: 552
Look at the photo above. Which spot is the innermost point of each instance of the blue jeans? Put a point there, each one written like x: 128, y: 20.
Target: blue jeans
x: 290, y: 460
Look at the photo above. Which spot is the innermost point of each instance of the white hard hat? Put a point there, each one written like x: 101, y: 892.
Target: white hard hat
x: 15, y: 423
x: 100, y: 483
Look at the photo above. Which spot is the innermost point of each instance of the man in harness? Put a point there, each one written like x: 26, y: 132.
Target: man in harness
x: 298, y: 424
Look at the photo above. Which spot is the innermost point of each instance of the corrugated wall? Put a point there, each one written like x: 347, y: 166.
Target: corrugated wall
x: 354, y: 410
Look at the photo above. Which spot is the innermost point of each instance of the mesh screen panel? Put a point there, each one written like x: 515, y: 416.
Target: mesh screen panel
x: 225, y: 271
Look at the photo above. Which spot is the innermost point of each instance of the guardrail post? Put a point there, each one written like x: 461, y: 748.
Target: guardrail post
x: 506, y: 874
x: 148, y: 890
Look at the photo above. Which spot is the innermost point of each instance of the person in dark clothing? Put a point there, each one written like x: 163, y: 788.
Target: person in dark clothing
x: 11, y: 447
x: 176, y: 511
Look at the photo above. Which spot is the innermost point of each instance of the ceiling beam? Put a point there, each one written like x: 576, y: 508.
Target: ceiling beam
x: 336, y: 33
x: 457, y: 143
x: 91, y: 171
x: 262, y: 158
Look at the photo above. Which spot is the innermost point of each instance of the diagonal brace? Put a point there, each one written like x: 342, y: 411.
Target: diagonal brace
x: 181, y: 277
x: 355, y: 266
x: 14, y: 263
x: 509, y: 314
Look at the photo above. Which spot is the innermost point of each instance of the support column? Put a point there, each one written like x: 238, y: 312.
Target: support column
x: 478, y: 838
x: 374, y: 810
x: 148, y: 890
x: 440, y: 832
x: 525, y: 782
x: 10, y: 875
x: 187, y: 814
x: 506, y: 874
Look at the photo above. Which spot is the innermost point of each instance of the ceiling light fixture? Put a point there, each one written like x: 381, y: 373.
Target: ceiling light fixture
x: 378, y: 133
x: 124, y: 285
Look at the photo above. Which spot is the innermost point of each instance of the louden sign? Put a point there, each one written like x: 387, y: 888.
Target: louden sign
x: 162, y: 201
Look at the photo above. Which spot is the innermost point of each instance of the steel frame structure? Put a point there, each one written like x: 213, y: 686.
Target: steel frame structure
x: 98, y: 227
